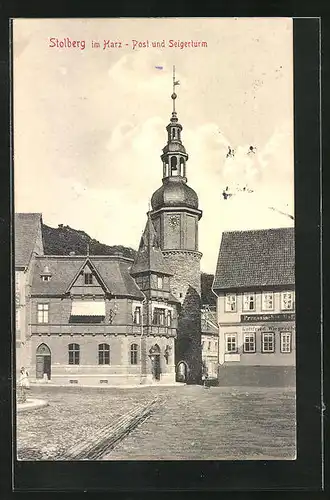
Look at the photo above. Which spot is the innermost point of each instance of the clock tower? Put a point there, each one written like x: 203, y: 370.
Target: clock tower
x: 175, y: 215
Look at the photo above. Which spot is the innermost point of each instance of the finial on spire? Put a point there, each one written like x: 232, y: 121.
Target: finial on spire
x: 175, y: 82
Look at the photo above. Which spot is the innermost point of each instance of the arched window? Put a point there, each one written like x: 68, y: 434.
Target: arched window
x: 174, y: 168
x: 134, y: 354
x: 173, y: 133
x: 104, y: 354
x: 74, y: 354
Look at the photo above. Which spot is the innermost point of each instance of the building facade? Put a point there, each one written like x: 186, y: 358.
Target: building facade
x: 254, y: 284
x: 109, y: 320
x: 210, y: 341
x: 28, y: 244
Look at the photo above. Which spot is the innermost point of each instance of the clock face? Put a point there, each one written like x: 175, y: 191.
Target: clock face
x: 174, y: 220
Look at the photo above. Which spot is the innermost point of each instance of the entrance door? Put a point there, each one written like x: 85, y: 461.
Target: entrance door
x: 43, y: 361
x: 157, y: 367
x: 154, y: 354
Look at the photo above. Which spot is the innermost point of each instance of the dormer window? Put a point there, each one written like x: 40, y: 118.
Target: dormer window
x: 46, y: 274
x: 88, y: 278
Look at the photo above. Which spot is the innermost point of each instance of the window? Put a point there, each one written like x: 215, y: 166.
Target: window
x: 209, y: 346
x: 230, y: 302
x: 74, y: 354
x: 268, y: 344
x: 216, y: 346
x: 285, y: 342
x: 104, y: 354
x: 137, y: 316
x: 287, y: 301
x: 43, y: 313
x: 169, y: 318
x: 88, y: 278
x: 248, y: 302
x: 203, y: 344
x: 231, y: 343
x: 160, y: 282
x: 45, y: 278
x: 158, y: 316
x: 134, y: 354
x: 267, y: 301
x: 249, y: 342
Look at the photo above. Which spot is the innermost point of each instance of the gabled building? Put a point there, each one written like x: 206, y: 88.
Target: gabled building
x: 255, y: 286
x: 109, y: 320
x: 28, y: 244
x: 91, y: 324
x: 210, y: 341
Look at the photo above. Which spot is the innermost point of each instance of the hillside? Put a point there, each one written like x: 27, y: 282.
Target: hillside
x: 62, y: 240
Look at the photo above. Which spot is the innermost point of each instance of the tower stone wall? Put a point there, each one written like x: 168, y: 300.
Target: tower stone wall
x: 186, y: 287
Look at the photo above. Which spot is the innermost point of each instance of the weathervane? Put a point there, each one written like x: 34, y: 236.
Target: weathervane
x: 175, y: 82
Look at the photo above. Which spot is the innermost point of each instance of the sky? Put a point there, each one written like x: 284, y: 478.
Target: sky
x: 89, y: 123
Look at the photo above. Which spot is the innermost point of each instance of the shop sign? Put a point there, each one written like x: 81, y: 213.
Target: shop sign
x: 258, y: 318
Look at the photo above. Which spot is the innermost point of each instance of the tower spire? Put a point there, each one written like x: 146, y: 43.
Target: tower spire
x: 173, y: 93
x: 174, y: 96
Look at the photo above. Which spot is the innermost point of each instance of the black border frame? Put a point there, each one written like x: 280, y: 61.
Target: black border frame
x: 306, y: 473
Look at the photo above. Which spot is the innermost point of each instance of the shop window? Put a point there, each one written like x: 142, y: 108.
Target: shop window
x: 268, y: 301
x: 248, y: 302
x: 268, y: 342
x: 134, y: 354
x: 249, y: 344
x: 287, y: 301
x: 231, y: 343
x: 286, y: 342
x: 230, y: 302
x: 74, y: 354
x: 43, y: 313
x: 104, y: 354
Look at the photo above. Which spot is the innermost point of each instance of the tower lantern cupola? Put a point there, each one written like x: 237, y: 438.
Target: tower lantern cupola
x: 174, y: 155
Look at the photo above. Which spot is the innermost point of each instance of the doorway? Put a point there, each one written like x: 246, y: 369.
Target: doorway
x: 154, y: 354
x: 43, y: 362
x: 181, y: 372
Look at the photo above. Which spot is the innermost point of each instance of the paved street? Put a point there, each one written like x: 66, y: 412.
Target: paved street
x: 196, y: 423
x: 191, y: 423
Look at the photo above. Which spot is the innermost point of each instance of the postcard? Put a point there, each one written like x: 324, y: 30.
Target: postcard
x: 154, y: 239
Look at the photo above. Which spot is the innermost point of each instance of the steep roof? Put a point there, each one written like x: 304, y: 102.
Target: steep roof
x: 26, y: 232
x: 149, y: 257
x: 113, y: 270
x: 255, y: 258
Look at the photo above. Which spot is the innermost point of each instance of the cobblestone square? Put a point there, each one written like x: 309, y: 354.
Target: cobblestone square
x: 189, y: 423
